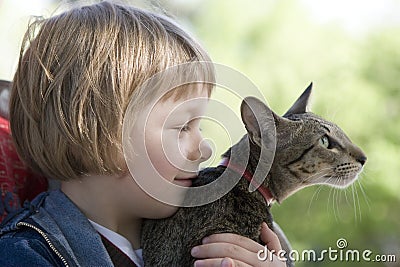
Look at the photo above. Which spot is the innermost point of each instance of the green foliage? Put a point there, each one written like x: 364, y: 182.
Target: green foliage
x: 356, y: 82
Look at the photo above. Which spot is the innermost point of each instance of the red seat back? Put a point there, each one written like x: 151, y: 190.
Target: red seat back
x: 17, y: 182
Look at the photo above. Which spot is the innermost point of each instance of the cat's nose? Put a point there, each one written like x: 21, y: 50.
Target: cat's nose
x: 358, y: 155
x: 362, y: 159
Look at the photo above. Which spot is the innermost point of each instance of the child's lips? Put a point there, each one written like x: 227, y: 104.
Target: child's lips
x: 186, y: 182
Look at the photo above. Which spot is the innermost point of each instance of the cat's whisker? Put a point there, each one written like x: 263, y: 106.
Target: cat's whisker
x: 320, y: 173
x: 354, y: 203
x: 358, y: 202
x: 333, y: 197
x: 319, y: 189
x: 330, y: 193
x: 316, y: 194
x: 342, y: 192
x: 335, y: 181
x: 336, y: 212
x: 333, y: 204
x: 346, y: 197
x: 364, y: 194
x: 338, y: 193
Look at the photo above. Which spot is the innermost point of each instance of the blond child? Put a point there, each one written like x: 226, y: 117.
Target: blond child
x: 77, y: 73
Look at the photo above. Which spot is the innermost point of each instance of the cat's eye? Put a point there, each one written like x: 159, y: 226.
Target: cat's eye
x: 324, y: 141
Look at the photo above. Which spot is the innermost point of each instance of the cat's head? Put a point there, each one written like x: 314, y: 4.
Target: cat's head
x: 309, y: 149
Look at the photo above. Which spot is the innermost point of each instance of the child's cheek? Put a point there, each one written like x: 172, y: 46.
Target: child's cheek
x: 165, y: 154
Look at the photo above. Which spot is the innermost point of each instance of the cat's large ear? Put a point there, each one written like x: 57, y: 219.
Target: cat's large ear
x: 256, y: 116
x: 302, y: 103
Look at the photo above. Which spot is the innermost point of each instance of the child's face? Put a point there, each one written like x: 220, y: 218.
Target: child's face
x: 173, y: 146
x: 173, y: 137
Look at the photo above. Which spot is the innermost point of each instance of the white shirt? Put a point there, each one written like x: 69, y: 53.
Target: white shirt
x: 120, y: 242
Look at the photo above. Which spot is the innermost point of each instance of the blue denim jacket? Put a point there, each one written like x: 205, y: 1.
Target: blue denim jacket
x: 50, y: 231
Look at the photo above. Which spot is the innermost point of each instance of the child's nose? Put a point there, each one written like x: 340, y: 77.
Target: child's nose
x: 205, y: 150
x: 201, y: 151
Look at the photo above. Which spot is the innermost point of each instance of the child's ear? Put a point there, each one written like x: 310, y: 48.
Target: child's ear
x: 256, y: 116
x: 302, y: 104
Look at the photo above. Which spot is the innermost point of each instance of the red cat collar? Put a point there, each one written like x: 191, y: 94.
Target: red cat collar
x: 265, y: 192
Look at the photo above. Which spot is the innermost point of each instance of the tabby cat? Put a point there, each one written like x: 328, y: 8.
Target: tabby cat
x: 309, y: 150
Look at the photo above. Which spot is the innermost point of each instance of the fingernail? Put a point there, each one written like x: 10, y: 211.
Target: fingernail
x: 205, y: 240
x: 194, y: 251
x: 199, y: 263
x: 226, y: 262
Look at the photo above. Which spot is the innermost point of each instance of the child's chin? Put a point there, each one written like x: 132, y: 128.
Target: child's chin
x: 163, y: 211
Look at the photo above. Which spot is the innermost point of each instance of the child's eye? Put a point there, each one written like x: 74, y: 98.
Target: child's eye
x: 185, y: 128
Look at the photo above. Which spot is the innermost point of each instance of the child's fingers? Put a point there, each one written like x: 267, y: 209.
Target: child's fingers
x: 222, y: 250
x: 234, y: 250
x: 220, y: 262
x: 234, y: 239
x: 270, y: 239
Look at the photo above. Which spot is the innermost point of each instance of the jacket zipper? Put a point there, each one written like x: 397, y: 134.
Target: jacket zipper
x: 43, y: 234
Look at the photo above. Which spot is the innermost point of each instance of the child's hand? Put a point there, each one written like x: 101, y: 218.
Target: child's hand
x: 237, y: 251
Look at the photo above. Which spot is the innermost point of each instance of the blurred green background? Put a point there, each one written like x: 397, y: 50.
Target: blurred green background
x: 350, y: 50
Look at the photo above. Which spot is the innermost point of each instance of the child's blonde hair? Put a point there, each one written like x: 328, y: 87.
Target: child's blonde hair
x: 75, y: 79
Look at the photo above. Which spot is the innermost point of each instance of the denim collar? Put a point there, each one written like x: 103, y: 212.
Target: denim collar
x: 66, y: 227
